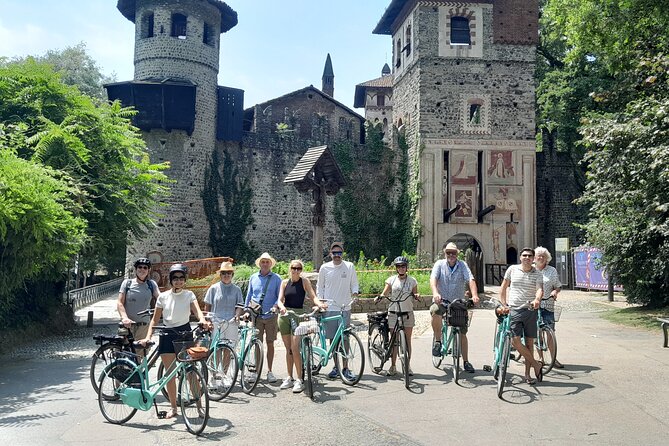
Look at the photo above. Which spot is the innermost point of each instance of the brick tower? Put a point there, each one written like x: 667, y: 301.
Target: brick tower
x: 463, y: 95
x: 176, y: 94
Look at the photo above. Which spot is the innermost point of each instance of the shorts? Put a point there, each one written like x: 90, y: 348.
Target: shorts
x: 138, y: 333
x: 523, y: 322
x: 168, y: 336
x: 231, y: 333
x: 331, y: 326
x: 268, y: 327
x: 548, y: 317
x: 288, y: 322
x: 409, y: 320
x: 441, y: 310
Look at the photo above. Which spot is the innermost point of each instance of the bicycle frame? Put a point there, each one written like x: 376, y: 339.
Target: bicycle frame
x: 326, y: 353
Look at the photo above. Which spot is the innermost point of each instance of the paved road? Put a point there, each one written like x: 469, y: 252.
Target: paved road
x: 614, y: 390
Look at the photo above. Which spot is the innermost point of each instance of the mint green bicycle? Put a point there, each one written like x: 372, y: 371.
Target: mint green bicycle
x: 125, y: 387
x: 222, y: 365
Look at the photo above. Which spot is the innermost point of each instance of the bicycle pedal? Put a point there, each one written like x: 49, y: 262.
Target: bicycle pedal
x: 162, y: 414
x: 487, y: 368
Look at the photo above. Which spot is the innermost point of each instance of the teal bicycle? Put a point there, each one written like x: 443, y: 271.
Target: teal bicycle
x: 455, y: 317
x: 501, y: 346
x: 345, y: 348
x: 222, y: 364
x: 249, y: 353
x: 125, y: 387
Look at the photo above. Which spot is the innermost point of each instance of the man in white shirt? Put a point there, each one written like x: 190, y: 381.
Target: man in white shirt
x: 337, y: 282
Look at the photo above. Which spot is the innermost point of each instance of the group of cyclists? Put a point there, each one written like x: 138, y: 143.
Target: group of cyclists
x: 277, y: 304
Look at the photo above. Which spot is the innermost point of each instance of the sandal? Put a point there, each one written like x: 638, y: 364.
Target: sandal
x: 540, y: 375
x: 530, y: 381
x: 558, y: 365
x: 172, y: 413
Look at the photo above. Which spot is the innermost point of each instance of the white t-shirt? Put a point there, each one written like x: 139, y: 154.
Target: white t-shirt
x: 336, y: 283
x: 176, y: 307
x: 401, y: 289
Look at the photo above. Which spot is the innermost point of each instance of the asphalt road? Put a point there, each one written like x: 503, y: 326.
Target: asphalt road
x: 613, y: 390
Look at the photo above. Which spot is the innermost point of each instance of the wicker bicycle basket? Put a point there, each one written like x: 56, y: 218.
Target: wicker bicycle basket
x: 458, y: 317
x: 307, y: 327
x: 189, y: 351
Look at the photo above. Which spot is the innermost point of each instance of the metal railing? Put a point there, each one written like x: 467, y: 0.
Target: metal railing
x: 90, y: 294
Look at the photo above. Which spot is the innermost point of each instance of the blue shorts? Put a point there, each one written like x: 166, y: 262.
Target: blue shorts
x: 331, y: 326
x: 548, y: 317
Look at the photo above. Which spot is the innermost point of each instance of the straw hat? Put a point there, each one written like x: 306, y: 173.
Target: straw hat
x: 265, y: 256
x: 226, y: 266
x: 452, y: 247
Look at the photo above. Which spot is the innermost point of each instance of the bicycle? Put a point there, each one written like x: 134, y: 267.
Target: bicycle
x: 221, y: 363
x: 501, y: 347
x: 381, y: 342
x: 345, y: 348
x: 546, y: 338
x: 455, y: 317
x: 249, y: 352
x: 125, y: 387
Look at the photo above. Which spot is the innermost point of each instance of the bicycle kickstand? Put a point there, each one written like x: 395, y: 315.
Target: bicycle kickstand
x: 161, y: 414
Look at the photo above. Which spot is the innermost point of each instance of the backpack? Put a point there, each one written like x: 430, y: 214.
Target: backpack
x: 149, y: 283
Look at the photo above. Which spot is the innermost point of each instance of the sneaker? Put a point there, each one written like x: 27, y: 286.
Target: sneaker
x: 348, y: 375
x: 436, y: 349
x: 287, y: 383
x: 334, y: 374
x: 469, y: 367
x: 392, y: 371
x: 250, y: 377
x: 270, y: 377
x: 227, y: 382
x: 298, y: 386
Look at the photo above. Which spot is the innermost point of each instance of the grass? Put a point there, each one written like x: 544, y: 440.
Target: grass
x: 638, y: 317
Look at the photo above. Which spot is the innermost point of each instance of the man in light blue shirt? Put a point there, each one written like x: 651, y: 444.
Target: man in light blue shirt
x: 448, y: 279
x: 264, y: 290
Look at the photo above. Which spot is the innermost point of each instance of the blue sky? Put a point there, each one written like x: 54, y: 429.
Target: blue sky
x: 277, y: 47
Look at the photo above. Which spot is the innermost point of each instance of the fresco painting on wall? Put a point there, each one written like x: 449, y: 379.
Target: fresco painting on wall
x: 501, y: 167
x: 497, y: 247
x: 464, y: 196
x: 505, y: 199
x: 463, y: 167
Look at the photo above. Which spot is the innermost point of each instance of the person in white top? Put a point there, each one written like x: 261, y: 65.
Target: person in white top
x: 174, y: 306
x: 337, y: 283
x: 402, y: 289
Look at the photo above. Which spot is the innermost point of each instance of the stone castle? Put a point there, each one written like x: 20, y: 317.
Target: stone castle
x: 461, y: 91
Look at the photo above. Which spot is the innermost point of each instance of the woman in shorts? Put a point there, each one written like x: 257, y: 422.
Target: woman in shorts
x: 552, y: 287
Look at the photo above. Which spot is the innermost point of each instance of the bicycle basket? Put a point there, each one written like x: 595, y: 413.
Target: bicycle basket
x: 307, y: 327
x: 188, y: 351
x: 377, y: 317
x: 457, y: 316
x: 126, y: 375
x: 557, y: 311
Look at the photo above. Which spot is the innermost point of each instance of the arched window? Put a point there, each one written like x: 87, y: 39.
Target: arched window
x: 179, y: 22
x: 398, y: 53
x: 407, y: 47
x: 460, y: 31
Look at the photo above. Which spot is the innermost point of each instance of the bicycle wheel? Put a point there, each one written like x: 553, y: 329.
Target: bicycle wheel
x: 350, y: 351
x: 307, y: 366
x: 503, y: 364
x: 436, y: 360
x: 222, y: 368
x: 102, y: 357
x: 252, y: 360
x: 546, y: 339
x: 404, y: 357
x: 375, y: 348
x: 456, y: 355
x: 109, y: 399
x: 315, y: 359
x: 194, y: 400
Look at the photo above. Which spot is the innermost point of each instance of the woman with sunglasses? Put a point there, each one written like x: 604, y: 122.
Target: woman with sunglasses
x: 292, y: 294
x: 137, y: 295
x: 175, y: 307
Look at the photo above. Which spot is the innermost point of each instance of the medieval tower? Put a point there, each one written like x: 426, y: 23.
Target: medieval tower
x: 175, y: 91
x: 463, y: 99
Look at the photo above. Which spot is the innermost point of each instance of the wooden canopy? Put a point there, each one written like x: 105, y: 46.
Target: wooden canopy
x: 317, y: 167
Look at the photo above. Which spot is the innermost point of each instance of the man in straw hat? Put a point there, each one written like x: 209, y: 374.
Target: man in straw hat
x: 448, y: 280
x: 264, y: 291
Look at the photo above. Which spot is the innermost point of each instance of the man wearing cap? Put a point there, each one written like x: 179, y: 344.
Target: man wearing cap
x: 264, y: 290
x: 448, y: 280
x: 337, y: 282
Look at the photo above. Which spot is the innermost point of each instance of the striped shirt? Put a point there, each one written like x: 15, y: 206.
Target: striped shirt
x: 523, y: 286
x: 551, y: 282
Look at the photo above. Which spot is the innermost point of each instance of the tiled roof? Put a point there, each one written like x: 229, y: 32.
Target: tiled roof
x: 383, y: 81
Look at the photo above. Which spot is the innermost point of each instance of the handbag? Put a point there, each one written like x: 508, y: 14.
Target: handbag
x: 256, y: 307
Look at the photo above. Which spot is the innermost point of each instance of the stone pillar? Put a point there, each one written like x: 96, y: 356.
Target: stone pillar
x: 529, y: 192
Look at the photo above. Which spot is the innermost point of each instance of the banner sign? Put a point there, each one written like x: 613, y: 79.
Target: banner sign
x: 588, y: 271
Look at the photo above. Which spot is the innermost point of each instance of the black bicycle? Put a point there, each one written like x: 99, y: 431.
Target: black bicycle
x: 382, y: 341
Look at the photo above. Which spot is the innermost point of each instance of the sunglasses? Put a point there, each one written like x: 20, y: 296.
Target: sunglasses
x: 178, y: 277
x: 527, y: 255
x: 337, y: 253
x: 296, y: 268
x: 142, y: 267
x: 226, y: 273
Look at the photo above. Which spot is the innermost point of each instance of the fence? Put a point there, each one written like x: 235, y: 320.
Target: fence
x: 90, y: 294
